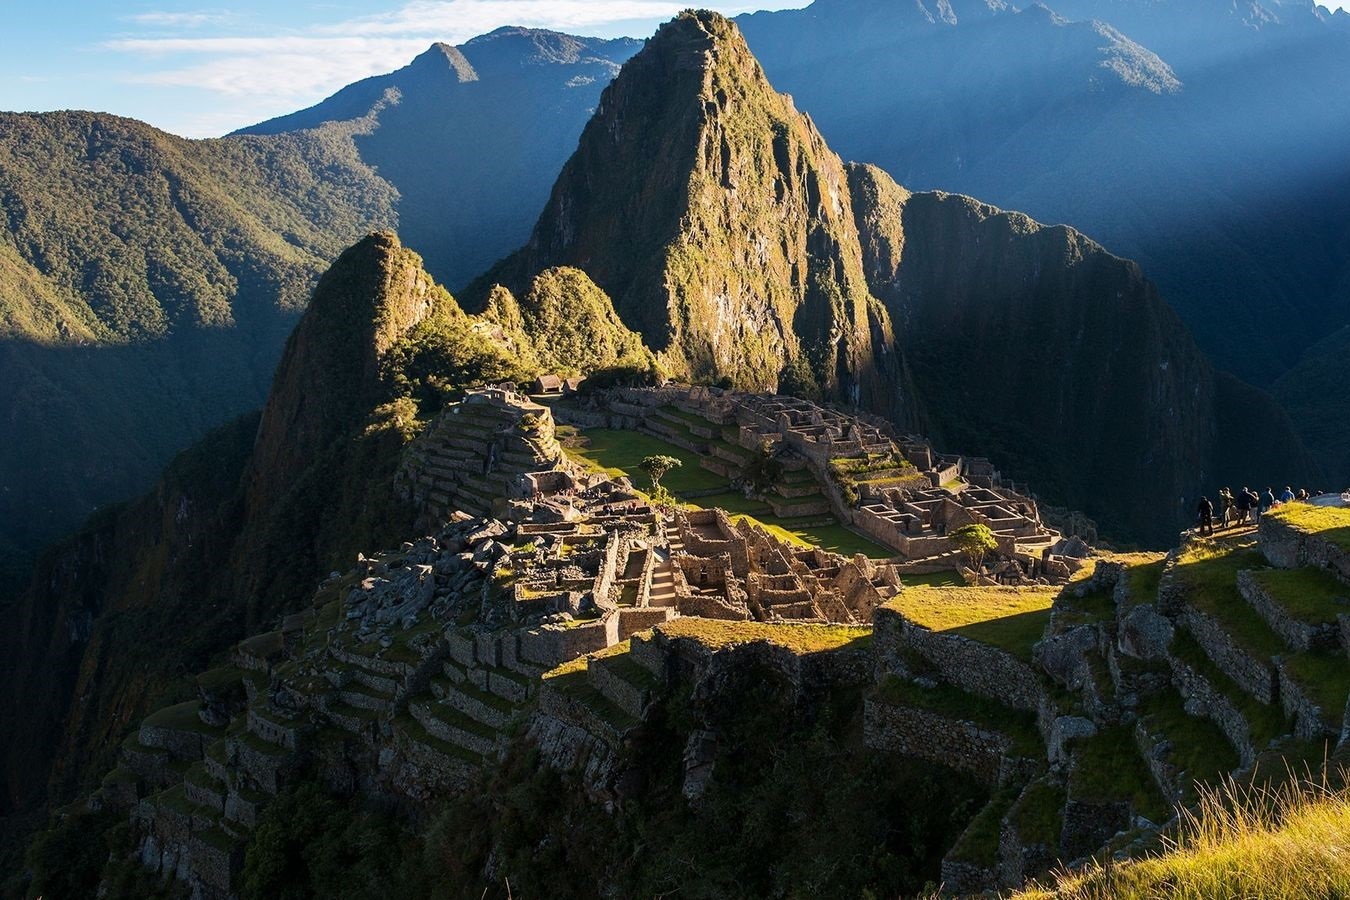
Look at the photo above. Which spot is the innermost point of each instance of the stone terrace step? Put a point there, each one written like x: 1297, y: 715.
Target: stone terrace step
x: 356, y: 694
x: 482, y: 706
x: 417, y: 733
x: 453, y: 726
x: 1303, y: 606
x: 622, y: 681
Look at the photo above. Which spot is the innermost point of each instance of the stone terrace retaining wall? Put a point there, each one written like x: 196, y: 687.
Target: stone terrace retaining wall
x: 935, y: 738
x: 1299, y: 635
x: 974, y: 667
x: 1310, y: 720
x: 552, y: 645
x: 1253, y: 675
x: 1288, y: 548
x: 1201, y: 697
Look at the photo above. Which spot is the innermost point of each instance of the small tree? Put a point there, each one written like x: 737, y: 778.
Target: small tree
x: 763, y: 470
x: 656, y: 468
x: 975, y: 541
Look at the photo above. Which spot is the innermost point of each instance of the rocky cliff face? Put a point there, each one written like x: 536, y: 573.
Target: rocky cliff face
x: 718, y: 220
x: 1060, y: 361
x: 740, y: 246
x: 330, y: 372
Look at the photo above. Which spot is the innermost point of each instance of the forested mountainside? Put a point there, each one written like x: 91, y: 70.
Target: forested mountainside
x: 147, y: 285
x: 242, y: 526
x: 1204, y: 140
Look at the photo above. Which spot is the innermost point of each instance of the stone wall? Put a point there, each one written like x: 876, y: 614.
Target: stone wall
x: 1310, y: 720
x: 935, y: 738
x: 1255, y: 676
x: 1203, y: 699
x: 551, y: 645
x: 974, y: 667
x: 1288, y: 548
x: 1299, y: 635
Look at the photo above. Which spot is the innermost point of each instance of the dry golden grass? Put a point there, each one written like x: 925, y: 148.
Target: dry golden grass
x: 949, y: 608
x: 579, y: 664
x: 1330, y: 522
x: 717, y: 634
x: 1290, y: 841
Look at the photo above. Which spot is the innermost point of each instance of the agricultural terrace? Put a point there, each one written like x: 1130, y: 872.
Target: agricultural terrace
x: 1013, y: 619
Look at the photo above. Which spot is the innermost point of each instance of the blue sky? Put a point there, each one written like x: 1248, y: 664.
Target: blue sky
x: 202, y: 70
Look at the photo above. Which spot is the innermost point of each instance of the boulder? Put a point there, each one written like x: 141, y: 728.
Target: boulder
x: 1145, y: 633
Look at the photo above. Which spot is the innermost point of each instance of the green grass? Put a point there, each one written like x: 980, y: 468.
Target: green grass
x: 979, y: 842
x: 1109, y: 768
x: 1324, y: 677
x: 1017, y: 725
x: 181, y: 717
x: 1143, y: 573
x: 834, y: 538
x: 1208, y: 572
x: 1092, y: 609
x: 1265, y: 721
x: 1012, y: 619
x: 1039, y: 814
x: 1199, y: 747
x: 933, y: 579
x: 1309, y: 595
x: 1328, y: 522
x: 619, y: 453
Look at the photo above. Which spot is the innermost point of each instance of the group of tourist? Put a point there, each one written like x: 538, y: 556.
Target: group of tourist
x: 1243, y: 508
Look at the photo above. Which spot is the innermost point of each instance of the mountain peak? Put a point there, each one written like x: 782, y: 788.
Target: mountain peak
x: 330, y: 372
x: 715, y: 216
x: 441, y: 57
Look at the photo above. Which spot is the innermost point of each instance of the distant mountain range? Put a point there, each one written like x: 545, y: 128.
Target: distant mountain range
x: 147, y: 282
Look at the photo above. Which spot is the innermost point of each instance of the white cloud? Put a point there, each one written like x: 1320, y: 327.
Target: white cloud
x: 177, y: 19
x: 307, y: 71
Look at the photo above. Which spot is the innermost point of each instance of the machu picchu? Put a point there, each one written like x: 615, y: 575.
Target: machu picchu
x: 755, y: 526
x: 1091, y: 695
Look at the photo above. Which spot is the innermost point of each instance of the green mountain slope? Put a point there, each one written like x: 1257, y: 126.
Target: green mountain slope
x: 1062, y: 363
x: 146, y: 285
x: 243, y: 526
x: 719, y: 221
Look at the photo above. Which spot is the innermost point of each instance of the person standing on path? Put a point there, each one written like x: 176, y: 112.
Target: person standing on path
x: 1206, y: 515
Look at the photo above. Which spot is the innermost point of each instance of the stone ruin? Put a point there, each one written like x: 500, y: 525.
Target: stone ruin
x: 908, y: 497
x: 410, y: 673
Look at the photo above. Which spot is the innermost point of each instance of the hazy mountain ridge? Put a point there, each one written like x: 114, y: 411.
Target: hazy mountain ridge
x: 473, y: 136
